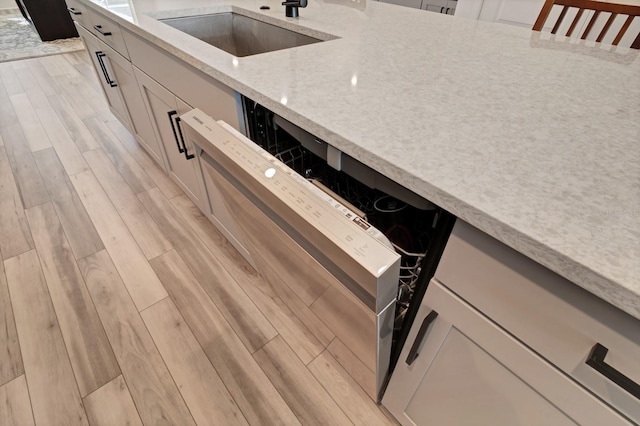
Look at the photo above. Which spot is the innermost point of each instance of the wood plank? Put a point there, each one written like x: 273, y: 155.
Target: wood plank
x: 10, y: 79
x: 125, y: 164
x: 112, y: 405
x: 155, y: 172
x: 18, y: 65
x: 79, y: 133
x: 303, y: 393
x: 63, y: 65
x: 155, y: 394
x: 246, y: 319
x: 344, y: 390
x: 10, y: 356
x: 253, y: 392
x: 362, y: 374
x: 68, y: 89
x: 72, y: 59
x: 273, y: 301
x: 81, y: 233
x: 88, y: 72
x: 41, y: 76
x: 91, y: 356
x: 15, y: 405
x: 27, y: 177
x: 68, y: 153
x: 52, y: 67
x: 15, y: 237
x: 201, y: 387
x: 143, y: 284
x: 144, y: 230
x: 7, y: 114
x: 33, y: 130
x: 54, y: 394
x: 36, y: 96
x: 82, y: 94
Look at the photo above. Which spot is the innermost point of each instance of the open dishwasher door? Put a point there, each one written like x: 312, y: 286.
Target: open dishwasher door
x: 304, y: 242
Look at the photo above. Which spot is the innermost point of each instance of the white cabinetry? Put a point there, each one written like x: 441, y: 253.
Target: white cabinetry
x: 501, y: 340
x: 515, y: 12
x: 144, y: 93
x: 111, y: 72
x: 407, y: 3
x: 194, y: 87
x: 438, y: 6
x: 120, y: 88
x: 181, y: 159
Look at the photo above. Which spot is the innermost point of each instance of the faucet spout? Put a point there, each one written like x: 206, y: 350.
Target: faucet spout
x: 291, y: 7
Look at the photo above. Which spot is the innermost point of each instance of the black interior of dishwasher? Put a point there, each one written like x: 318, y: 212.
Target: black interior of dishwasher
x: 418, y: 235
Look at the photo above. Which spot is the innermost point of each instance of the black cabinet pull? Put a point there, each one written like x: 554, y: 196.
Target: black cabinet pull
x: 596, y: 361
x: 413, y: 353
x: 184, y: 145
x: 99, y: 29
x: 108, y: 79
x: 173, y: 127
x: 73, y: 11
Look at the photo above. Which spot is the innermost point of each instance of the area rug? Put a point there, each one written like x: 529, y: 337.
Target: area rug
x: 19, y: 41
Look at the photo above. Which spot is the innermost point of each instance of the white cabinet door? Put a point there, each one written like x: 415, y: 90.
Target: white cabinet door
x: 105, y: 61
x: 123, y: 94
x: 462, y: 369
x: 141, y: 125
x: 180, y: 157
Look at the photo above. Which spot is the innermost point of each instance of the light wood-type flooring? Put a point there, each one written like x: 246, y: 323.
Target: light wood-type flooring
x: 113, y: 284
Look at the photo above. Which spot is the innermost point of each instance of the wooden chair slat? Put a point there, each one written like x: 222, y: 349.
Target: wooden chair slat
x: 574, y: 23
x: 615, y: 9
x: 606, y: 27
x: 593, y: 20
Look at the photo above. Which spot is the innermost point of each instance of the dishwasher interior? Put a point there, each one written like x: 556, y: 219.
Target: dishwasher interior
x: 416, y: 228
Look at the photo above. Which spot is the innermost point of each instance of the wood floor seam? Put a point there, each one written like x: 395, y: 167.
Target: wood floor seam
x: 58, y: 323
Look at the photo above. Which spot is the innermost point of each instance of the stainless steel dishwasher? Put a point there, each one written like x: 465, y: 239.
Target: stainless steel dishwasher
x: 310, y: 241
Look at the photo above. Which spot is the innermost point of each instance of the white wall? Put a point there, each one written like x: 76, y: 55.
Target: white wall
x: 7, y: 4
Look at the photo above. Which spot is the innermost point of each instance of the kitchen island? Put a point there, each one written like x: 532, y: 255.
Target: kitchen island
x: 533, y: 142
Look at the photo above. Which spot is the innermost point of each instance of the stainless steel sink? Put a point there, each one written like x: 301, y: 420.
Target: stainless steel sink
x: 238, y: 34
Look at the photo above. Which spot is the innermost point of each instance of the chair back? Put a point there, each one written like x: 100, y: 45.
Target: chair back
x: 597, y: 7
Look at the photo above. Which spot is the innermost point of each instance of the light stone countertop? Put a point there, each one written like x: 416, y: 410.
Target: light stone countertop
x: 535, y: 142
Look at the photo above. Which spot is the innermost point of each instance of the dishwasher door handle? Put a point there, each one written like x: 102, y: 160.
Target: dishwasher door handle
x: 413, y: 353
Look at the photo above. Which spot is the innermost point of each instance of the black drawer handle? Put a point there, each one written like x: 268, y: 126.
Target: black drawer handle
x: 184, y: 145
x: 596, y: 361
x: 108, y: 79
x: 99, y: 29
x: 73, y: 11
x: 173, y: 127
x: 413, y: 353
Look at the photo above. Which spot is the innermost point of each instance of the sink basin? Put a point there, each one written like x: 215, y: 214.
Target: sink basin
x: 238, y: 34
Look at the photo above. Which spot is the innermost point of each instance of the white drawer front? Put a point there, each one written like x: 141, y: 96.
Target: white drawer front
x: 556, y: 318
x: 108, y: 31
x: 79, y: 13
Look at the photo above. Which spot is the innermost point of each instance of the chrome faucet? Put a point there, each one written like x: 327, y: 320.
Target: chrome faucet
x: 291, y: 10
